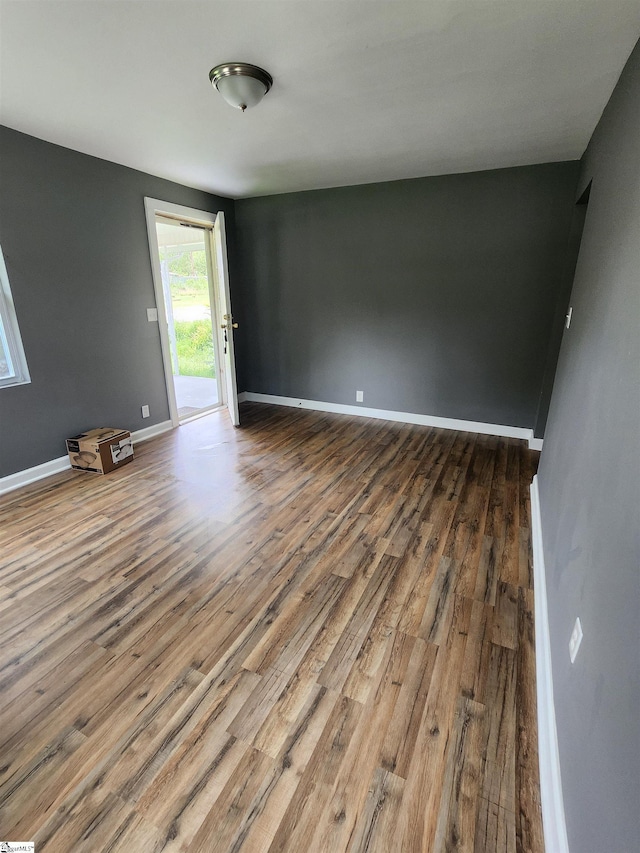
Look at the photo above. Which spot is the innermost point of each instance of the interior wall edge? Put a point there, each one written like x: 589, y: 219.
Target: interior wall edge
x: 553, y: 817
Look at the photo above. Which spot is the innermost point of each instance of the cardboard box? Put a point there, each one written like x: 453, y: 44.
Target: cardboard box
x: 100, y: 450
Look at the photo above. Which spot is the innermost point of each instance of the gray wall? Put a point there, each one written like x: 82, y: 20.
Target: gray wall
x: 562, y: 305
x: 74, y: 237
x: 438, y: 296
x: 589, y: 491
x: 435, y: 296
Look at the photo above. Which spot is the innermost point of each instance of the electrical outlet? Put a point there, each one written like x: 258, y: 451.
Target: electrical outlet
x: 145, y: 411
x: 359, y: 396
x: 576, y: 639
x: 152, y: 315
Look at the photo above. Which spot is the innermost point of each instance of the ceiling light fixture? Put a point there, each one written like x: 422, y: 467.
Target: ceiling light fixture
x: 240, y: 84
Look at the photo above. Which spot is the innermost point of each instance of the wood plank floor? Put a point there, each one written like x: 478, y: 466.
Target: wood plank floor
x: 314, y: 633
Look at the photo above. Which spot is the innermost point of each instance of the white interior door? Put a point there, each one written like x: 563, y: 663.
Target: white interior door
x: 226, y: 317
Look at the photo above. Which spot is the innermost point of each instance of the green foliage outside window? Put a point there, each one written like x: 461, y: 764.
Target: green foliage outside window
x: 195, y: 348
x: 189, y: 288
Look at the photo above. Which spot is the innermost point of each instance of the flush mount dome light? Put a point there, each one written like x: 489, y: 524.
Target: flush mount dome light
x: 240, y: 84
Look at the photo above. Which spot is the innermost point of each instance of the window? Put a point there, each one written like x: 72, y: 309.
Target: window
x: 13, y: 364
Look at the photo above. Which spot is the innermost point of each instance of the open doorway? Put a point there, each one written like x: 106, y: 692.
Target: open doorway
x: 190, y: 307
x: 190, y: 274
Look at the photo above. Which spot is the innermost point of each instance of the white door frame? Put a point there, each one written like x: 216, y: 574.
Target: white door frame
x: 152, y: 207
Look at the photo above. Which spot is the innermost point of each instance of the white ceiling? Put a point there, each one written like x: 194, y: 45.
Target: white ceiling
x: 363, y: 90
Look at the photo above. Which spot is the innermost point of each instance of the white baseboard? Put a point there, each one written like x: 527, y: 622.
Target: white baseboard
x: 30, y: 475
x: 535, y: 443
x: 54, y: 466
x: 386, y: 415
x: 146, y: 433
x: 553, y: 819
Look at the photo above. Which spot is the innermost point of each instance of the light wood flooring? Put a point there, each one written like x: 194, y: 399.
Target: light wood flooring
x: 314, y: 633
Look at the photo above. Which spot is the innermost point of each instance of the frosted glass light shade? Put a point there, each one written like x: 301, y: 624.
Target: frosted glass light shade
x: 241, y: 91
x: 240, y: 84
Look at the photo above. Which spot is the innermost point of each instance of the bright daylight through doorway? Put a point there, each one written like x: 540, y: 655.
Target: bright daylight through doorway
x: 187, y: 286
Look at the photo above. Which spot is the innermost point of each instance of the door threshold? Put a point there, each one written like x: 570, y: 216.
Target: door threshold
x: 201, y: 413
